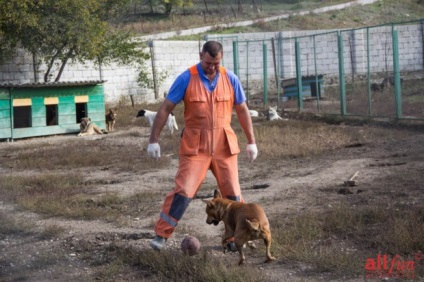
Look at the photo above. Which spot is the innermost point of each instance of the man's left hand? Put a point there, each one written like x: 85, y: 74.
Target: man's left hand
x: 252, y: 152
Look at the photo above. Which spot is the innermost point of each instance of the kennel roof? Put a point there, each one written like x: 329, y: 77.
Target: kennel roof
x: 52, y: 84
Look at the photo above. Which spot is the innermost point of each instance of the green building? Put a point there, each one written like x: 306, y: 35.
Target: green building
x: 40, y: 109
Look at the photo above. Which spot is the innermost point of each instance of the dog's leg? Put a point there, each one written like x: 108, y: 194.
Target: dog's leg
x: 267, y: 241
x: 240, y: 250
x: 97, y: 130
x: 227, y: 235
x: 251, y: 244
x: 239, y: 247
x: 224, y: 245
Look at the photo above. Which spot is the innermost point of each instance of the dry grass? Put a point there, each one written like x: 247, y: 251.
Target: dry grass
x: 353, y: 17
x: 168, y: 266
x: 338, y: 239
x: 69, y: 196
x: 9, y: 225
x: 196, y: 16
x: 279, y: 140
x: 332, y: 240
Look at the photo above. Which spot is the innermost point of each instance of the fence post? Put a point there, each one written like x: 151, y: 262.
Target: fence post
x: 277, y: 79
x: 154, y: 76
x: 265, y: 75
x: 369, y: 73
x: 279, y: 66
x: 298, y: 76
x: 341, y: 75
x: 317, y: 84
x: 235, y: 58
x: 398, y: 100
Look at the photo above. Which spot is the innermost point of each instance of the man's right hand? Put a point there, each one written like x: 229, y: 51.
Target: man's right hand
x: 154, y: 150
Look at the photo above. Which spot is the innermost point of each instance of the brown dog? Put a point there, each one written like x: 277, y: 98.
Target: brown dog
x: 88, y: 128
x: 110, y: 119
x: 242, y: 221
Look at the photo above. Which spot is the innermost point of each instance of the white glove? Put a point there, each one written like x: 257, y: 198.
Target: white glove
x: 154, y: 150
x: 252, y: 152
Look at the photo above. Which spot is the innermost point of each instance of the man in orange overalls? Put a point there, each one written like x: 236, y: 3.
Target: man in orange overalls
x: 210, y: 92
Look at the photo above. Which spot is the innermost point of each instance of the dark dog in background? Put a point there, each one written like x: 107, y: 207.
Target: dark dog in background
x: 110, y: 119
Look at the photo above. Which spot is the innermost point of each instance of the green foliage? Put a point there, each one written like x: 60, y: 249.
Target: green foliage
x: 59, y: 32
x: 179, y: 3
x: 116, y: 47
x: 146, y: 79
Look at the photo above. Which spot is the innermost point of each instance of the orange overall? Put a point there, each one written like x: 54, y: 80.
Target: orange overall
x: 208, y: 142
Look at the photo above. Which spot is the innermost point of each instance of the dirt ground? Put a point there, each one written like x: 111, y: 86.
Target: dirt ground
x: 388, y: 171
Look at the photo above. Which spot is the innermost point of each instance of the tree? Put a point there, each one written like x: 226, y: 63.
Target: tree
x: 60, y: 31
x: 179, y: 3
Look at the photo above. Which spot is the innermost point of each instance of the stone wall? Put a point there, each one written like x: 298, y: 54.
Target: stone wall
x: 318, y: 53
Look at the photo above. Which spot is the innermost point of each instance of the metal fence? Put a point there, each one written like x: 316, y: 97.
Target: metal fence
x: 374, y: 71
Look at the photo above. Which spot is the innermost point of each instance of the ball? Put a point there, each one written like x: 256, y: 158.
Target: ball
x: 190, y: 245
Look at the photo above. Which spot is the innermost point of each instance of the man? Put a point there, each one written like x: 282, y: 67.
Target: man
x: 210, y: 93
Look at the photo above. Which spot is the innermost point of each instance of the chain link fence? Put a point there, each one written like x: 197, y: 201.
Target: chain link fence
x: 373, y: 71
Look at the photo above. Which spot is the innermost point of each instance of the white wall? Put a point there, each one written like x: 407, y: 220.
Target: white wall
x: 174, y: 57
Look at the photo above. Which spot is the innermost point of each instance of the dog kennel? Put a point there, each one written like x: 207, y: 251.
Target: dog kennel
x: 311, y: 86
x: 40, y: 109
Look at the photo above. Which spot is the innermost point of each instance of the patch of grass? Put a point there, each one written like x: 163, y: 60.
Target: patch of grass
x: 381, y: 12
x: 142, y: 203
x: 174, y: 266
x: 218, y: 13
x: 88, y: 153
x: 340, y: 239
x: 69, y: 196
x: 11, y: 225
x: 52, y: 231
x: 288, y: 139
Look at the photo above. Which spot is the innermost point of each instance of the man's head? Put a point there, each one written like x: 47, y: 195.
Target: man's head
x: 213, y: 48
x: 211, y: 57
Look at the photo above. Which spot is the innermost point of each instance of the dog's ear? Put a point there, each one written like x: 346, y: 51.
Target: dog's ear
x: 210, y: 204
x: 217, y: 194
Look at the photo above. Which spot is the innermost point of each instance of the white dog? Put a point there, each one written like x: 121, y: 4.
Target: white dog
x: 171, y: 123
x: 253, y: 113
x: 273, y: 114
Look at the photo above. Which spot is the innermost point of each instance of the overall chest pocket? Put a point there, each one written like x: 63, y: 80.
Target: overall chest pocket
x: 197, y: 107
x: 223, y: 105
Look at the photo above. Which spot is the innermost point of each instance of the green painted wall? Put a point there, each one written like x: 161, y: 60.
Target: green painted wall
x: 5, y: 120
x: 66, y: 109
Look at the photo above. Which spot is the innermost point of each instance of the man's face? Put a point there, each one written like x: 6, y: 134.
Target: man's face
x: 209, y: 64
